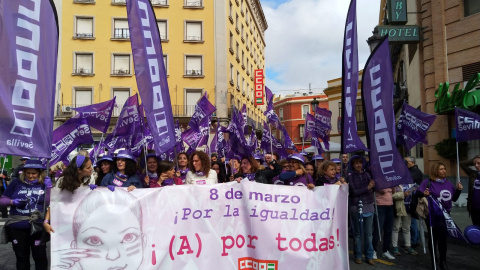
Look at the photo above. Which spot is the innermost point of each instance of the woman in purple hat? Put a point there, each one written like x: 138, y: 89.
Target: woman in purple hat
x: 26, y: 198
x: 124, y: 172
x: 182, y: 163
x: 200, y: 171
x: 150, y: 171
x: 442, y: 190
x: 298, y: 176
x: 105, y: 164
x: 250, y: 169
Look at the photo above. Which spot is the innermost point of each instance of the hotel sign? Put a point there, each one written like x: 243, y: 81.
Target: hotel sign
x: 400, y: 34
x: 397, y: 11
x: 259, y: 85
x: 467, y: 98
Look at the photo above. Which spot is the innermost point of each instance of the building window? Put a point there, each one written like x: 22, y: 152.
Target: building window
x: 193, y: 65
x: 241, y: 33
x: 163, y: 29
x: 83, y: 63
x: 191, y: 98
x: 305, y: 110
x: 471, y: 7
x: 120, y: 29
x: 165, y: 63
x: 193, y: 3
x: 230, y: 10
x: 84, y: 27
x: 359, y: 116
x: 121, y: 64
x: 238, y: 80
x: 301, y: 129
x: 160, y: 2
x: 193, y: 31
x: 231, y: 74
x: 231, y: 42
x: 83, y: 96
x: 243, y: 86
x: 280, y: 112
x: 122, y: 95
x: 236, y: 24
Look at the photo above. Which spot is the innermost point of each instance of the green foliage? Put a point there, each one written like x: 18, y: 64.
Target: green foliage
x: 448, y: 149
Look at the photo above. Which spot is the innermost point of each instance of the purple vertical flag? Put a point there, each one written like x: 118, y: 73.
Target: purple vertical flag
x: 97, y: 115
x: 28, y: 66
x: 129, y: 121
x: 269, y: 95
x: 387, y: 166
x: 440, y: 217
x: 150, y: 72
x: 272, y: 116
x: 350, y: 141
x: 324, y: 116
x: 67, y: 137
x: 178, y: 138
x: 269, y: 140
x: 314, y: 128
x: 467, y: 124
x: 287, y: 141
x: 413, y: 125
x: 203, y: 110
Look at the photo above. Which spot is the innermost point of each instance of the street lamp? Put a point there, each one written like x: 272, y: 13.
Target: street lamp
x: 314, y: 104
x: 374, y: 39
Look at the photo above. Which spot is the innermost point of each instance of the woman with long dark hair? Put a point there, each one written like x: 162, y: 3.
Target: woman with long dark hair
x: 150, y: 172
x: 217, y: 167
x: 124, y: 172
x: 250, y: 169
x: 442, y: 190
x: 182, y: 162
x: 200, y: 172
x: 166, y: 175
x: 26, y: 196
x: 105, y: 165
x: 77, y: 173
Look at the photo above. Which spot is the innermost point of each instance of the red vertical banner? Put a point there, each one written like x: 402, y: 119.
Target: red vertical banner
x: 259, y: 85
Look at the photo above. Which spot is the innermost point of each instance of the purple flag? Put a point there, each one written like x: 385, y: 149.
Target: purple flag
x: 218, y: 142
x: 413, y: 125
x: 268, y: 94
x: 350, y: 141
x: 440, y: 217
x: 314, y: 128
x: 387, y: 166
x: 467, y: 124
x: 268, y: 141
x: 324, y: 116
x: 238, y: 142
x: 272, y: 116
x: 287, y: 141
x: 97, y: 115
x: 178, y: 138
x: 67, y: 137
x: 150, y: 72
x: 129, y: 121
x: 28, y: 66
x: 244, y: 116
x: 203, y: 111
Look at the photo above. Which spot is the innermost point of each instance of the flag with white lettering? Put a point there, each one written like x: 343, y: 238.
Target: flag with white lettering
x: 28, y: 67
x: 129, y: 121
x: 97, y: 115
x: 204, y: 109
x: 440, y: 217
x: 350, y: 140
x: 324, y: 116
x: 467, y: 124
x: 150, y: 72
x: 314, y: 128
x: 413, y: 125
x: 67, y: 137
x: 269, y: 141
x: 387, y: 166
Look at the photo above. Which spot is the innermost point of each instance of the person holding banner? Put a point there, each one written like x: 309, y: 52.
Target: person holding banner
x: 473, y: 202
x: 200, y: 171
x: 250, y: 169
x: 361, y: 190
x: 77, y: 173
x: 234, y: 167
x: 124, y: 172
x: 442, y: 190
x: 219, y: 169
x: 327, y: 175
x: 299, y: 176
x: 182, y: 166
x: 105, y: 164
x: 26, y: 195
x: 150, y: 171
x: 166, y: 175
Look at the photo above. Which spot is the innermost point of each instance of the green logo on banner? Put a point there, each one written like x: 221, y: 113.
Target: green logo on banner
x: 467, y: 98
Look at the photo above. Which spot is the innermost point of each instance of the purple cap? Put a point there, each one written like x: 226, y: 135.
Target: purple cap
x: 472, y: 233
x: 258, y: 156
x: 152, y: 155
x: 24, y: 158
x: 303, y: 153
x: 298, y: 157
x: 34, y: 164
x: 317, y: 157
x: 336, y: 160
x: 104, y: 158
x: 125, y: 154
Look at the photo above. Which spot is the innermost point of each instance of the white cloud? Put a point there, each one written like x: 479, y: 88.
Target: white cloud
x: 304, y: 40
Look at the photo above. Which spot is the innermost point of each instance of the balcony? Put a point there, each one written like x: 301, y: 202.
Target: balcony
x: 66, y: 110
x: 119, y: 2
x: 193, y: 73
x: 159, y: 3
x: 193, y: 4
x: 193, y: 39
x: 121, y: 72
x: 121, y: 33
x: 83, y: 36
x: 83, y: 1
x: 83, y: 72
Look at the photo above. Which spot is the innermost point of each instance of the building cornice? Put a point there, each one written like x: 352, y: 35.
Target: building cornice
x: 259, y: 16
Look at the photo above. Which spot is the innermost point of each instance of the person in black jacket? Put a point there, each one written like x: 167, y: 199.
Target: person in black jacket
x: 417, y: 177
x: 415, y: 172
x: 250, y: 169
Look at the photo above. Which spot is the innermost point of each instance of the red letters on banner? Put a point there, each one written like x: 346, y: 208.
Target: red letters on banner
x: 259, y: 87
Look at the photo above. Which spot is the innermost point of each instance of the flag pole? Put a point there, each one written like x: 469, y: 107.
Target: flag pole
x: 376, y: 212
x: 458, y: 166
x: 431, y: 238
x: 95, y: 153
x: 271, y: 139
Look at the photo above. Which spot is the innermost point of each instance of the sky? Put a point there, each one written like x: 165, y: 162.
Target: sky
x: 304, y: 41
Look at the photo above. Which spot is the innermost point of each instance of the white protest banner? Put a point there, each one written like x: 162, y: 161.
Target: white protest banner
x: 243, y: 225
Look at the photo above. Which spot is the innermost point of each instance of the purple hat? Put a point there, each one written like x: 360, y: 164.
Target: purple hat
x: 104, y: 158
x: 317, y: 157
x: 34, y: 164
x: 303, y: 153
x: 336, y: 160
x: 126, y: 154
x: 152, y: 155
x: 298, y: 157
x: 258, y: 156
x: 24, y: 158
x: 472, y: 233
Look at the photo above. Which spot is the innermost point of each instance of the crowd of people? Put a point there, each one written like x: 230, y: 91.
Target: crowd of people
x: 374, y: 215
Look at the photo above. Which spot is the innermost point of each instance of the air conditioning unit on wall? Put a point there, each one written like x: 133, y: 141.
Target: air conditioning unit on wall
x: 67, y: 109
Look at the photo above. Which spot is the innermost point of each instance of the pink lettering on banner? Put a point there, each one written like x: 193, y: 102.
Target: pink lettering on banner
x: 201, y: 182
x: 117, y: 182
x: 207, y: 226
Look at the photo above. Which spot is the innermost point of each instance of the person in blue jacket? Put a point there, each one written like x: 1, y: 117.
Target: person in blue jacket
x: 124, y: 172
